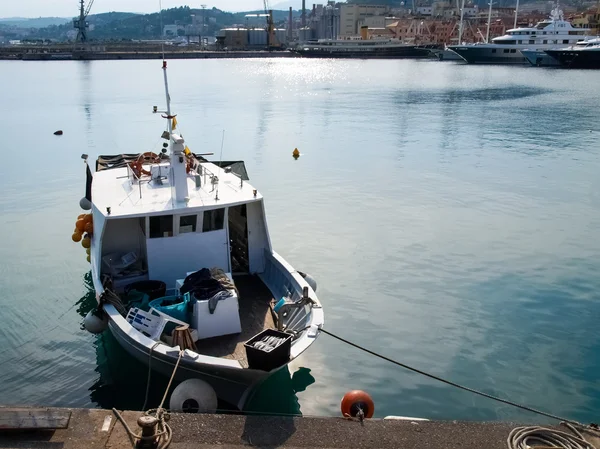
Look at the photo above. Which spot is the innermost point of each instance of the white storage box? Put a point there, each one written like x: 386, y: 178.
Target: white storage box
x: 224, y: 321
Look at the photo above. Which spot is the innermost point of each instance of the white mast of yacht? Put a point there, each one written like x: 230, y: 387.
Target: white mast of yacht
x: 177, y: 157
x: 487, y: 35
x: 516, y: 13
x: 460, y: 25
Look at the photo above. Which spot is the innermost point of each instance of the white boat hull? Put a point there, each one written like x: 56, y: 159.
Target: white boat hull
x: 232, y: 385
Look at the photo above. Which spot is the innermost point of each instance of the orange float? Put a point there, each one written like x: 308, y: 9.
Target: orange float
x: 89, y: 227
x: 86, y: 242
x: 76, y: 236
x: 87, y: 218
x: 80, y: 225
x: 356, y: 400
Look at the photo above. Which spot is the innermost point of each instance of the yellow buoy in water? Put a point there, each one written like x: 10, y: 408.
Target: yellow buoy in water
x: 296, y: 153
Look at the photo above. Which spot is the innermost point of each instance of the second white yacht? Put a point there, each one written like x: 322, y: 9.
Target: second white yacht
x: 553, y: 32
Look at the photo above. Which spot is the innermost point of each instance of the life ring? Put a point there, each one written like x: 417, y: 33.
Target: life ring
x: 137, y: 166
x: 355, y: 401
x: 189, y: 163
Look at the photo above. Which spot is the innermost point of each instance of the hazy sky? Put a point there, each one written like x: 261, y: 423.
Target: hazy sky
x: 69, y: 8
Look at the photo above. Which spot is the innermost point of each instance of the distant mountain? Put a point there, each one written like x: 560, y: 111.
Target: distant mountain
x: 40, y: 22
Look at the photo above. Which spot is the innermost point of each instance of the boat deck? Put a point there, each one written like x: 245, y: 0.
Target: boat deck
x: 255, y: 315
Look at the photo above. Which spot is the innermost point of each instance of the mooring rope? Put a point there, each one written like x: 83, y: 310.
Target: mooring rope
x: 165, y: 433
x: 526, y: 437
x: 454, y: 384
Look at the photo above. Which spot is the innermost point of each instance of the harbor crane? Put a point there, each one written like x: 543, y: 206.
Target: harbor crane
x: 272, y: 41
x: 80, y: 23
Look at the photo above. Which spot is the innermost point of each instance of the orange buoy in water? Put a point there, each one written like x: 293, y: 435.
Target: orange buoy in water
x: 87, y: 218
x: 356, y: 400
x: 76, y: 236
x: 296, y: 153
x: 89, y: 227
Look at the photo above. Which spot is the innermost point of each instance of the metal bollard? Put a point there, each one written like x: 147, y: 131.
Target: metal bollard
x: 148, y: 425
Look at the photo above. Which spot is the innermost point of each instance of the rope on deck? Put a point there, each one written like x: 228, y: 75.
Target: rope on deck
x: 592, y: 427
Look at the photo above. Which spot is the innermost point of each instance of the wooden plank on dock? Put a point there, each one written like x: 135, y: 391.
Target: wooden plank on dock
x: 33, y: 418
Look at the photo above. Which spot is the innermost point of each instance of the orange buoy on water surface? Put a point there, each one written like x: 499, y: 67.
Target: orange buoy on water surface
x: 295, y: 153
x: 356, y: 401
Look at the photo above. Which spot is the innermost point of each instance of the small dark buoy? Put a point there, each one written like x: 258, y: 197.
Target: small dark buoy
x: 356, y: 403
x: 58, y: 133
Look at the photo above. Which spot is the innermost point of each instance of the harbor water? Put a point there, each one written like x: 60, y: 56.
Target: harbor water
x: 449, y: 213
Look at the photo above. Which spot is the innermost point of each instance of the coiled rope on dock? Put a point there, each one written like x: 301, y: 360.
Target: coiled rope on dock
x: 570, y: 423
x: 526, y: 437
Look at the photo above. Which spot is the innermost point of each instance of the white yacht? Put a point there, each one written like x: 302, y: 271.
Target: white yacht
x: 551, y: 33
x: 539, y: 58
x: 184, y: 270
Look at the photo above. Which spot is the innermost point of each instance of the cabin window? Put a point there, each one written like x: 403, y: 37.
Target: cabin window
x: 493, y: 50
x: 187, y: 223
x: 512, y: 50
x: 161, y: 226
x: 506, y: 50
x: 520, y: 42
x: 531, y: 41
x: 545, y: 41
x: 543, y: 32
x: 213, y: 220
x: 565, y: 41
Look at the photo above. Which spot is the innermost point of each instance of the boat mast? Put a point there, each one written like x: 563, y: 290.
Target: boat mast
x: 177, y: 155
x: 460, y: 25
x: 516, y: 13
x: 487, y: 35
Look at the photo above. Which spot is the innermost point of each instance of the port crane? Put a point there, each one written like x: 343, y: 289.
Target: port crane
x: 272, y: 41
x: 80, y: 23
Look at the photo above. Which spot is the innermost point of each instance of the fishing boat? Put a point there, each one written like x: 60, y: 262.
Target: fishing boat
x: 184, y: 270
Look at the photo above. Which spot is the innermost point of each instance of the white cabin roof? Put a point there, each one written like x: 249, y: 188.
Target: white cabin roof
x: 114, y: 188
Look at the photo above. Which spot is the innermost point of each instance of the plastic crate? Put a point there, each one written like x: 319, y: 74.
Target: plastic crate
x: 267, y: 361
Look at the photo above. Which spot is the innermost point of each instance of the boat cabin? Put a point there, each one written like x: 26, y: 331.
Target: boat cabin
x: 142, y: 233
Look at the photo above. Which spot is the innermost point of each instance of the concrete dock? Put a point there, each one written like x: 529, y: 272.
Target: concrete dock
x: 94, y: 429
x: 127, y: 51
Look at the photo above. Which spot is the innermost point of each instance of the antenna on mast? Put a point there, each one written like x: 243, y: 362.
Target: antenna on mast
x: 162, y: 41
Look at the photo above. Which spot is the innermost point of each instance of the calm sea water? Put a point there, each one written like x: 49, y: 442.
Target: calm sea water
x: 449, y: 213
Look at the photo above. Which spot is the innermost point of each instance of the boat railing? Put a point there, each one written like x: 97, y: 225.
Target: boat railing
x: 285, y: 282
x: 214, y: 179
x: 133, y: 178
x: 279, y: 279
